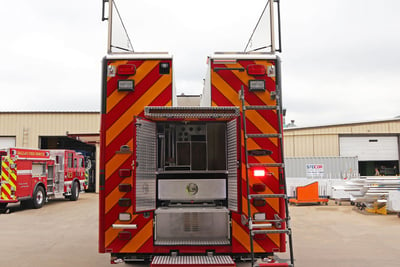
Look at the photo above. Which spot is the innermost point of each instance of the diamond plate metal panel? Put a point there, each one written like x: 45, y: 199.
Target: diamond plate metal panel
x: 146, y: 165
x: 232, y: 165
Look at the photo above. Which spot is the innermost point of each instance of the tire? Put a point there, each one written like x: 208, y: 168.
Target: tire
x: 26, y: 204
x: 3, y: 207
x: 38, y: 198
x: 74, y: 192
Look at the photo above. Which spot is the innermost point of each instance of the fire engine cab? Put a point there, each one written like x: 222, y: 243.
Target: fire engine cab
x: 31, y: 176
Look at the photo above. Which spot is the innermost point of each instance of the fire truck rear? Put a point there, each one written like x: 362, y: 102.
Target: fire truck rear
x: 192, y: 186
x: 31, y: 176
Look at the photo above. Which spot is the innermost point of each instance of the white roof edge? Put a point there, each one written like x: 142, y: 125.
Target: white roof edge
x: 140, y: 55
x: 240, y: 55
x: 342, y: 124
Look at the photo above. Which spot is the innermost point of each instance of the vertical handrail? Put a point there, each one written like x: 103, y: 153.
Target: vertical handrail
x: 247, y: 173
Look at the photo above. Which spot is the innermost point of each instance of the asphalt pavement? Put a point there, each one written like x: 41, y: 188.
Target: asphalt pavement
x: 65, y: 233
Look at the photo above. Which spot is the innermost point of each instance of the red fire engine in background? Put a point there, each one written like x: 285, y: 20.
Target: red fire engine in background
x: 31, y: 176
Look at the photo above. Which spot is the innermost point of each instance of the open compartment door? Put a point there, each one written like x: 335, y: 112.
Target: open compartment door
x: 145, y: 166
x: 232, y: 164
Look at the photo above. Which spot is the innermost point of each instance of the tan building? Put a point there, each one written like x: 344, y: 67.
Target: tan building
x: 375, y: 143
x: 51, y: 130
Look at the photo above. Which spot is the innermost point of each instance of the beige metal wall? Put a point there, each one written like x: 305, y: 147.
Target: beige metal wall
x: 324, y: 140
x: 28, y: 126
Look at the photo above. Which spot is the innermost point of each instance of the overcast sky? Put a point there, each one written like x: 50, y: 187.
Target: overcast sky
x: 341, y: 59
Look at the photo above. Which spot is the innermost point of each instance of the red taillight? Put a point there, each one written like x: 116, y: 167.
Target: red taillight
x: 125, y: 173
x: 124, y: 235
x: 259, y: 172
x: 259, y: 202
x: 125, y: 188
x: 124, y: 202
x: 127, y: 69
x: 256, y: 70
x: 259, y: 187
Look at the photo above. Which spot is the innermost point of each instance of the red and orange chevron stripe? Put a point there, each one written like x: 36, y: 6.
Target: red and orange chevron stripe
x: 226, y: 84
x: 118, y: 112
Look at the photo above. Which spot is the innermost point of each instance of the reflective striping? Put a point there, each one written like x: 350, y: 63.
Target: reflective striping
x: 9, y: 180
x: 24, y: 172
x: 226, y: 85
x: 113, y: 197
x: 232, y: 96
x: 142, y: 71
x: 137, y: 108
x: 139, y: 238
x: 151, y: 89
x: 116, y: 161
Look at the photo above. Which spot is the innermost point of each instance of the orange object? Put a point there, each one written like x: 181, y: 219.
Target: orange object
x: 308, y: 194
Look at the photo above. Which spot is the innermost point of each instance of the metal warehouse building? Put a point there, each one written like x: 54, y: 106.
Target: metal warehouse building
x: 55, y: 130
x: 375, y: 143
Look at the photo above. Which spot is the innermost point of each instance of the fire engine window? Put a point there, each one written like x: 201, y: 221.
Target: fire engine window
x: 70, y: 160
x: 75, y: 163
x: 38, y: 169
x: 81, y: 162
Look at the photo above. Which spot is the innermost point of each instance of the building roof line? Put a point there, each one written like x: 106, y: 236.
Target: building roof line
x: 342, y: 124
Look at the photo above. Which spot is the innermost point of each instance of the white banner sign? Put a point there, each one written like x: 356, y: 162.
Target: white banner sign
x: 314, y: 169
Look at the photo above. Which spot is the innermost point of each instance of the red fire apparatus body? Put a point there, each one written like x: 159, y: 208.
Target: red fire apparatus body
x: 192, y: 186
x: 33, y: 175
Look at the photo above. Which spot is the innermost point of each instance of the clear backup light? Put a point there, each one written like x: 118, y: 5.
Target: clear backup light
x: 259, y: 172
x: 126, y: 85
x: 259, y: 216
x: 124, y: 217
x: 256, y: 85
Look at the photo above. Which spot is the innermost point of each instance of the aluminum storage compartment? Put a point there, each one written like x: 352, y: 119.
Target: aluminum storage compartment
x: 192, y: 226
x: 192, y: 189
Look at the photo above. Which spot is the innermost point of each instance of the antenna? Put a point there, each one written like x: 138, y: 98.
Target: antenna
x: 269, y: 10
x: 110, y: 42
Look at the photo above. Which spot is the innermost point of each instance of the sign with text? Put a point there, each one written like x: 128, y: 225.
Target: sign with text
x: 315, y: 169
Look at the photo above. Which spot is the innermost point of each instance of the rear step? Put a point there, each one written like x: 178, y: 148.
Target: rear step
x: 193, y: 261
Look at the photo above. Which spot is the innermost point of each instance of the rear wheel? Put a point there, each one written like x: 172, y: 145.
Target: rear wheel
x: 74, y: 192
x: 38, y: 198
x: 3, y: 208
x: 26, y: 204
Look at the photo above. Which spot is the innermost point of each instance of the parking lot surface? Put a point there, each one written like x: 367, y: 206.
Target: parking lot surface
x: 64, y: 233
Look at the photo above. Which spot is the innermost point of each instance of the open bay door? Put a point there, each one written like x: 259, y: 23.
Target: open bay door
x: 145, y: 165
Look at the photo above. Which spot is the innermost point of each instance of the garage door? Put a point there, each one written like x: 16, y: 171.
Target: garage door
x: 7, y: 141
x: 370, y: 148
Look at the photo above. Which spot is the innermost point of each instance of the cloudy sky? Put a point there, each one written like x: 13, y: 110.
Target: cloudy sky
x: 341, y: 59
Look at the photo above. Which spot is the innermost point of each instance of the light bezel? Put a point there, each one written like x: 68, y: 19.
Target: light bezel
x: 126, y: 70
x: 128, y: 87
x: 252, y: 70
x: 253, y: 88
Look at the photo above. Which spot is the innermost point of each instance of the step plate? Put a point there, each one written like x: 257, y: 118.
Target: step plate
x: 174, y: 242
x: 193, y: 261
